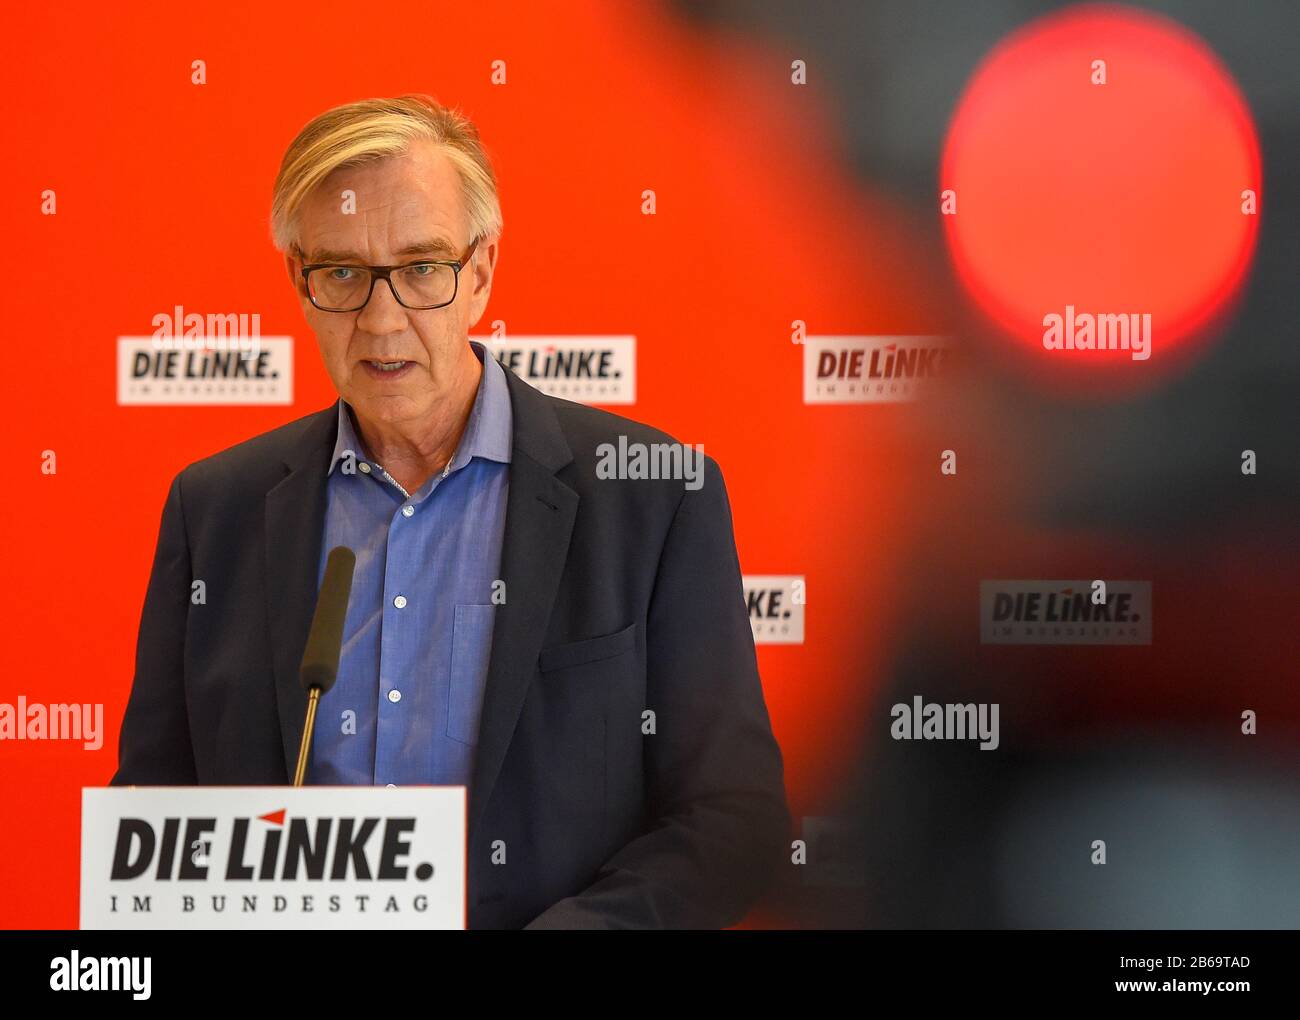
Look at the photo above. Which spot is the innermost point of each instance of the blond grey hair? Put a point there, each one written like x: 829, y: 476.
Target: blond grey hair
x: 361, y: 132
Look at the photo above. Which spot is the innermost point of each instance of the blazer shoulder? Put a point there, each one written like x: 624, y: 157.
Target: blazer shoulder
x: 599, y: 441
x: 261, y: 456
x: 585, y: 424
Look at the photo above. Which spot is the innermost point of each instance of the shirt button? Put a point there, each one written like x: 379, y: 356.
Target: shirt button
x: 400, y: 602
x: 394, y: 696
x: 390, y: 785
x: 365, y: 467
x: 408, y: 510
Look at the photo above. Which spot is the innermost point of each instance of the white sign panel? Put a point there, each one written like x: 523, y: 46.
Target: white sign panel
x: 871, y: 369
x: 231, y: 857
x: 588, y: 369
x: 776, y: 607
x: 180, y: 370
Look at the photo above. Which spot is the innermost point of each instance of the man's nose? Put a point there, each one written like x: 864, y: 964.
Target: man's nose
x: 382, y: 313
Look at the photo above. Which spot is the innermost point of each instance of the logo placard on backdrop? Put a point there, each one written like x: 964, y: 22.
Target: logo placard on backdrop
x: 588, y: 369
x: 1065, y: 613
x: 194, y: 371
x: 776, y: 605
x: 272, y: 857
x: 871, y: 369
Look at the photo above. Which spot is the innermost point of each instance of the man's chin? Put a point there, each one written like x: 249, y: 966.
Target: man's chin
x: 391, y: 407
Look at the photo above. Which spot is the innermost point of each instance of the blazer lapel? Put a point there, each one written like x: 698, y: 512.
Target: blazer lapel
x: 295, y: 526
x: 540, y: 511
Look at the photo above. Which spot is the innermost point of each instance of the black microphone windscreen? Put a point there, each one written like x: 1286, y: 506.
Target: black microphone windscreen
x: 320, y: 659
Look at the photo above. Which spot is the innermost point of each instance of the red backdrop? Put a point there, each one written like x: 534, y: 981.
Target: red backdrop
x: 163, y: 191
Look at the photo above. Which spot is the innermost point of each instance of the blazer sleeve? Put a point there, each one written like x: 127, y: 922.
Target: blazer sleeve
x: 719, y: 826
x: 154, y: 744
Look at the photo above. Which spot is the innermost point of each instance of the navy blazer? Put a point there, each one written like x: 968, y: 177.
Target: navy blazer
x: 621, y: 596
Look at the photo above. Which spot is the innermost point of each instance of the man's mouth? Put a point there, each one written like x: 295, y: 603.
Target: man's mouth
x: 386, y: 369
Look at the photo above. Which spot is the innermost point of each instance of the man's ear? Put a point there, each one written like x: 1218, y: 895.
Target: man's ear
x: 485, y: 256
x: 483, y: 265
x: 291, y: 266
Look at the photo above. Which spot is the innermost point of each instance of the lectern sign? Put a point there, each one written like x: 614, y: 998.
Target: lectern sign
x: 273, y: 857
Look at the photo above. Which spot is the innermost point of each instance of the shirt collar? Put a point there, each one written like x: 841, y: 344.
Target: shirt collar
x: 487, y: 433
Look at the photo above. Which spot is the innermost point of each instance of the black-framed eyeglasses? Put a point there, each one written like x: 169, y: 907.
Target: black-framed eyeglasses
x: 428, y: 283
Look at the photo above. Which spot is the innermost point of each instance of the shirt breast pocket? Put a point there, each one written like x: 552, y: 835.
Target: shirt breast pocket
x: 471, y: 647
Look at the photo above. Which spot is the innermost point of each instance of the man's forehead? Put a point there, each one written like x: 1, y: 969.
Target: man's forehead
x: 433, y: 247
x: 412, y: 201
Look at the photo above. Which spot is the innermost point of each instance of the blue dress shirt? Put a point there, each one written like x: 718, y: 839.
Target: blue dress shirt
x: 418, y: 633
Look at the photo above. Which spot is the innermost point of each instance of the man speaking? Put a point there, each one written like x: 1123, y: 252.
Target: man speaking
x: 573, y: 648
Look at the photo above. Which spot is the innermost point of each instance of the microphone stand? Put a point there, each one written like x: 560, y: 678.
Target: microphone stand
x: 313, y: 699
x: 320, y: 659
